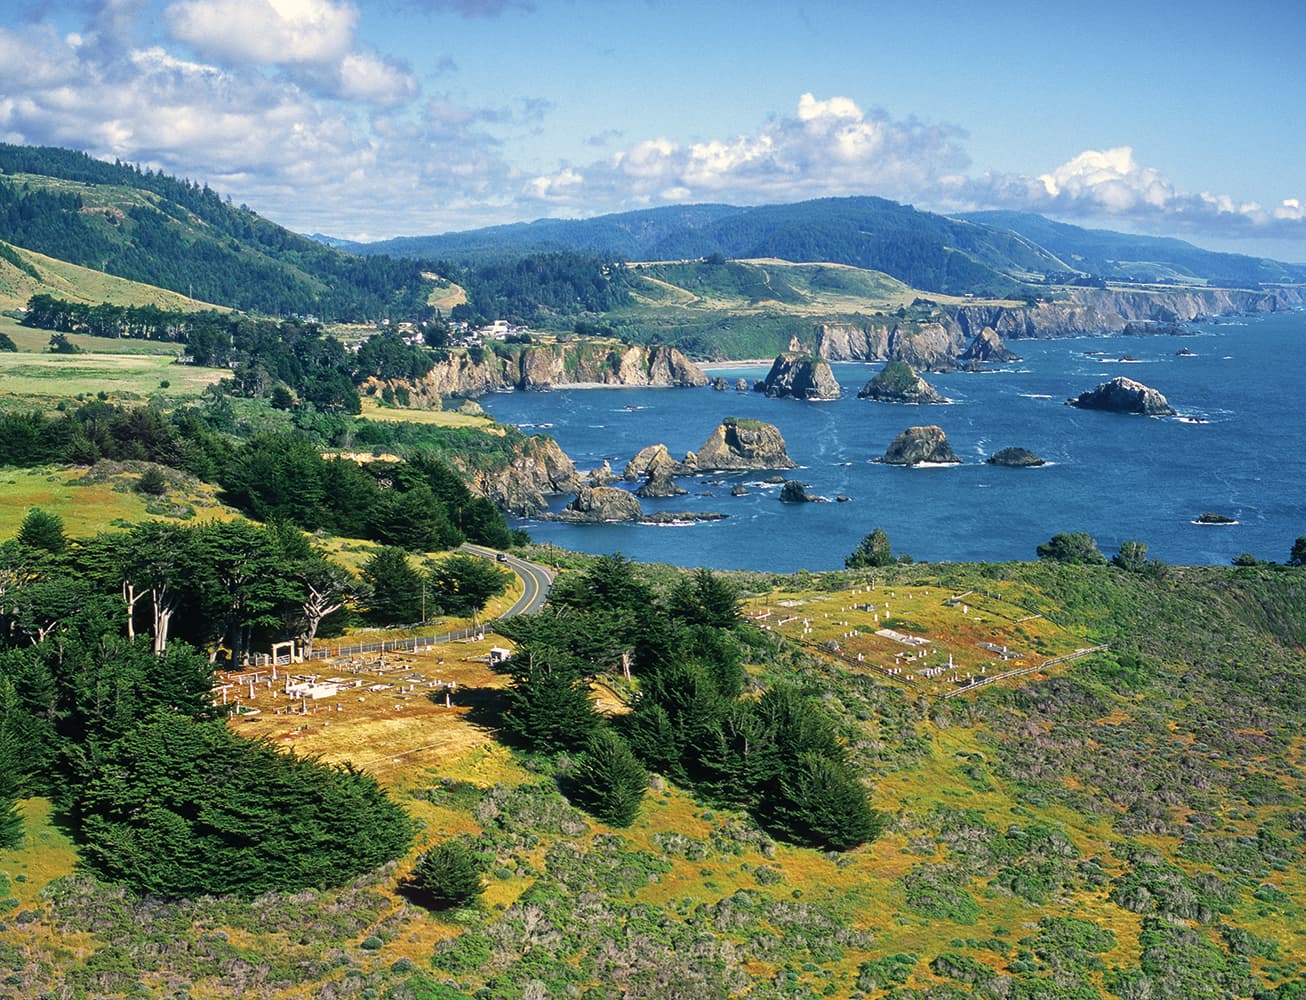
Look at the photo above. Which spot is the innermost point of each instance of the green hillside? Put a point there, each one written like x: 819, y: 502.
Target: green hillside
x: 183, y: 236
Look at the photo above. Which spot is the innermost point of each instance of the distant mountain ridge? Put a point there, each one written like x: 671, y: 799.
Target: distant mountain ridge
x: 985, y: 252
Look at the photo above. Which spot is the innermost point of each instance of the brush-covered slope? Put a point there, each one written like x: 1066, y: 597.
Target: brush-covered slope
x: 183, y: 236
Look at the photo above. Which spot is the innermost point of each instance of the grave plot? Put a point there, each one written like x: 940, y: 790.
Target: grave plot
x: 933, y: 640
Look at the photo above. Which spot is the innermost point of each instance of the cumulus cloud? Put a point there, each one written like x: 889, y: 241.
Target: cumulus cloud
x: 828, y: 147
x: 264, y: 32
x: 1112, y: 184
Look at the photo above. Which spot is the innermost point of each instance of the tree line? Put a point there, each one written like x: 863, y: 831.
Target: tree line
x: 773, y: 752
x: 106, y: 707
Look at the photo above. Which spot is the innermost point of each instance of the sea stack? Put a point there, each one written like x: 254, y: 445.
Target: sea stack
x: 739, y: 443
x: 1124, y: 395
x: 595, y: 505
x: 987, y: 346
x: 897, y: 383
x: 800, y: 376
x: 919, y: 446
x: 1016, y: 458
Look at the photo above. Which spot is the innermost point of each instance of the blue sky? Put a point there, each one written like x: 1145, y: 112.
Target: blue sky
x: 393, y: 117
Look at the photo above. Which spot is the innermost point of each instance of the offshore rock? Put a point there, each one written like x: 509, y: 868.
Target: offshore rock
x: 1015, y: 458
x: 1124, y: 395
x: 655, y: 457
x: 598, y: 504
x: 897, y: 383
x: 739, y: 443
x: 602, y: 476
x: 921, y: 445
x: 801, y: 376
x: 987, y: 346
x: 659, y: 484
x: 794, y: 492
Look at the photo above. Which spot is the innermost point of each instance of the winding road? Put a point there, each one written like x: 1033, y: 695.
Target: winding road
x: 536, y: 580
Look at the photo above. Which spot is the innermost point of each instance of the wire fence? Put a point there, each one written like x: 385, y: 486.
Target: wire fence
x: 413, y: 644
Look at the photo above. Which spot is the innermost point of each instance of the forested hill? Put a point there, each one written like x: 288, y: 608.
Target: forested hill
x: 183, y: 236
x: 926, y: 251
x: 985, y: 253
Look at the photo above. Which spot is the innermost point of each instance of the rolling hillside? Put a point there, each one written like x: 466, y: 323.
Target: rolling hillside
x: 182, y: 236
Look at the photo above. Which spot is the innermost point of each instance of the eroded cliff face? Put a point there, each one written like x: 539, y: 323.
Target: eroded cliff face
x: 556, y: 365
x: 537, y: 469
x: 936, y: 345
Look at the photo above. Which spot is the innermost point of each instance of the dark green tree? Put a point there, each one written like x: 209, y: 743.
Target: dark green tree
x: 872, y: 551
x: 396, y: 587
x: 449, y: 874
x: 822, y: 804
x: 549, y: 707
x: 152, y: 482
x: 7, y: 343
x: 60, y: 344
x: 43, y: 530
x: 1076, y: 547
x: 1132, y: 556
x: 609, y: 783
x: 703, y: 598
x: 11, y: 823
x: 461, y: 584
x: 183, y: 808
x: 1297, y: 557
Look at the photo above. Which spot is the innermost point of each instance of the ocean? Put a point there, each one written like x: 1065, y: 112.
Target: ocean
x: 1238, y: 448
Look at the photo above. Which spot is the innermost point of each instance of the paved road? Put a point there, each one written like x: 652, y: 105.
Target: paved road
x: 536, y: 581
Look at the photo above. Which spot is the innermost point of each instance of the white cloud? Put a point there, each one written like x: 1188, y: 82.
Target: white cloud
x: 265, y: 32
x: 830, y: 147
x: 1110, y: 184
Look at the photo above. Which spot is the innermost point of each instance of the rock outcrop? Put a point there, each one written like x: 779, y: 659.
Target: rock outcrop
x: 1124, y: 395
x: 1015, y: 458
x: 659, y: 483
x: 919, y: 446
x: 738, y: 443
x: 987, y: 346
x: 800, y: 376
x: 595, y: 505
x: 537, y: 468
x: 897, y: 383
x: 795, y: 492
x: 655, y: 457
x: 602, y: 476
x: 931, y: 346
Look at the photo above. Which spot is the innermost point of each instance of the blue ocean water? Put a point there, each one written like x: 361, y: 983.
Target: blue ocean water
x: 1115, y: 476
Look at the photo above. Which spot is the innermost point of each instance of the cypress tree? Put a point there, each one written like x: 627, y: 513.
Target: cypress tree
x: 11, y: 824
x: 609, y: 783
x: 449, y: 874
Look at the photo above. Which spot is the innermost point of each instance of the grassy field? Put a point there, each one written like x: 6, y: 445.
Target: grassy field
x: 374, y: 410
x: 49, y: 377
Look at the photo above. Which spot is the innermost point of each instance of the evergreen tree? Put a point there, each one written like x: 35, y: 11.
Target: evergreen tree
x: 462, y: 585
x: 184, y: 808
x: 609, y: 782
x: 872, y: 551
x: 705, y: 599
x: 43, y: 530
x: 449, y: 874
x: 1297, y: 557
x: 1072, y: 547
x: 822, y: 804
x: 549, y: 707
x: 396, y: 587
x: 11, y: 823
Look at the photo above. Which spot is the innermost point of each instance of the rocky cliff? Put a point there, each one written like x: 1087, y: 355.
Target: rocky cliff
x: 937, y: 343
x: 987, y: 346
x: 537, y: 468
x: 1124, y: 395
x: 800, y: 376
x: 921, y: 445
x: 546, y: 366
x: 743, y: 444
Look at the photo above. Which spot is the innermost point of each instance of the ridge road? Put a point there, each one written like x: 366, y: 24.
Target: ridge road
x: 536, y: 580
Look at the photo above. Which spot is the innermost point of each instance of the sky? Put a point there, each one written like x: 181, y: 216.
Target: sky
x: 367, y: 120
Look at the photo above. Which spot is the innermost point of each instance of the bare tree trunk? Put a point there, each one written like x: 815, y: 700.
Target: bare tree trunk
x: 130, y: 595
